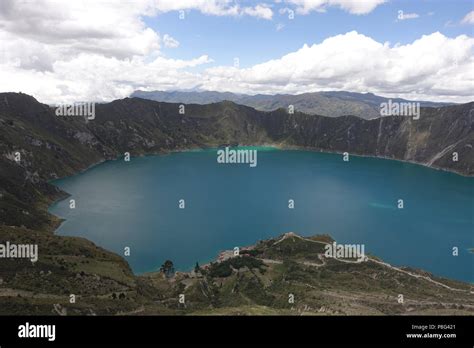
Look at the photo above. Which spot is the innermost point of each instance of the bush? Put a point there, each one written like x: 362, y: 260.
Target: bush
x: 224, y: 268
x: 220, y: 270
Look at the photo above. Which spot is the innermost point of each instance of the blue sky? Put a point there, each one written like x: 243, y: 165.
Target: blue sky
x: 106, y: 49
x: 256, y: 40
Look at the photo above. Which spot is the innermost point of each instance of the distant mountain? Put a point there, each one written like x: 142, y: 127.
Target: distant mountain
x: 332, y: 104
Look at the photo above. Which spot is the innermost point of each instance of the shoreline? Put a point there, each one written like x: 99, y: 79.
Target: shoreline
x: 310, y: 149
x: 270, y: 147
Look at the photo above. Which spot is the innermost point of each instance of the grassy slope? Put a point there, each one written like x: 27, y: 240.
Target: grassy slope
x: 258, y: 283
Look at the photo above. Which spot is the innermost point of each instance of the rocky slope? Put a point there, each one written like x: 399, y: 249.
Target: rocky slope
x: 52, y: 146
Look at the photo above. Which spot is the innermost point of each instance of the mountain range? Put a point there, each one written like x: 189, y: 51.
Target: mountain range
x: 331, y: 104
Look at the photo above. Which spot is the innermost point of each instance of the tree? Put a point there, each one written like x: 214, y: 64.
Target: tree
x: 167, y: 268
x: 197, y: 269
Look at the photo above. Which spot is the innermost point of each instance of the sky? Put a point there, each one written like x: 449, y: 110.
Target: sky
x: 101, y: 50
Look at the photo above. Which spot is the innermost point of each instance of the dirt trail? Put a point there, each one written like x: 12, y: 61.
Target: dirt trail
x: 419, y: 276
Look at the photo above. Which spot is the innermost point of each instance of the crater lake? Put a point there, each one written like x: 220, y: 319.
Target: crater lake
x: 135, y: 204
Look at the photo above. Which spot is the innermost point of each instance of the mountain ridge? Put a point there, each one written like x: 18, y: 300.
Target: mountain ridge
x: 53, y: 147
x: 329, y: 103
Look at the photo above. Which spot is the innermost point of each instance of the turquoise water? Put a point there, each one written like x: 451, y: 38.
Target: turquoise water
x: 135, y: 204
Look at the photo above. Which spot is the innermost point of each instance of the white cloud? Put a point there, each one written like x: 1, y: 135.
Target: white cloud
x: 74, y: 52
x: 95, y: 49
x: 433, y: 67
x: 357, y: 7
x: 170, y: 42
x: 111, y: 28
x: 260, y: 11
x: 214, y: 7
x: 102, y: 27
x: 97, y: 78
x: 468, y: 19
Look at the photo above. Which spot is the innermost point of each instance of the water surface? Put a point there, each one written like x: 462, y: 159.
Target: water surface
x: 135, y: 204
